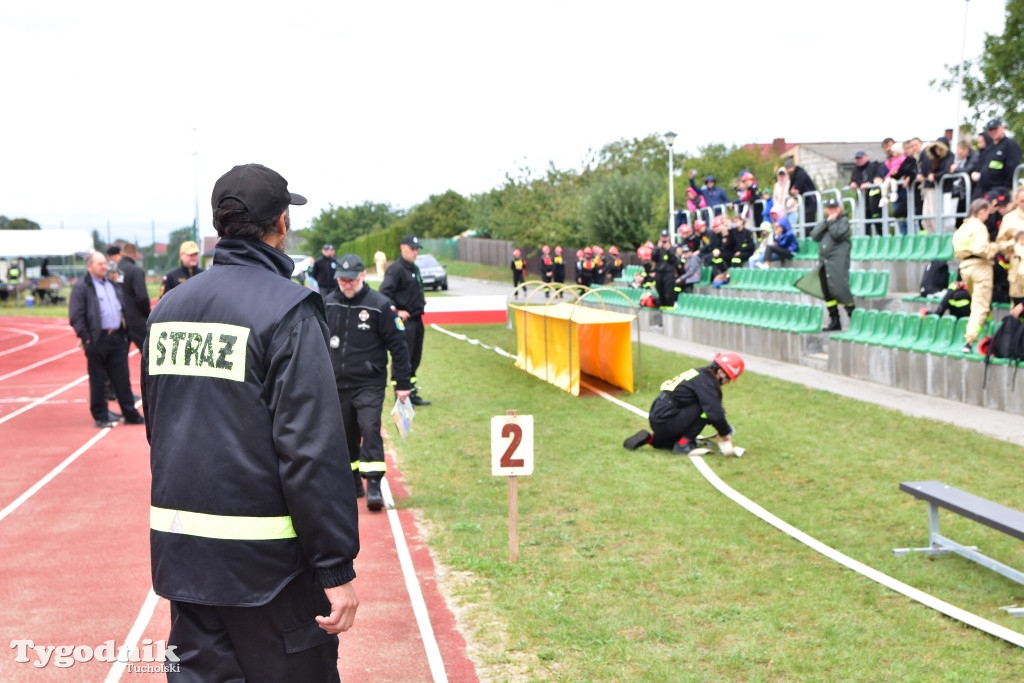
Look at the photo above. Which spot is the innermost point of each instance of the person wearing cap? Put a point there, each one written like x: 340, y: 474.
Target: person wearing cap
x: 997, y: 161
x: 365, y: 327
x: 833, y: 237
x: 325, y: 271
x: 518, y: 271
x: 686, y: 404
x: 689, y: 271
x: 188, y: 255
x: 868, y: 176
x: 714, y: 196
x: 96, y: 312
x: 253, y: 523
x: 404, y: 286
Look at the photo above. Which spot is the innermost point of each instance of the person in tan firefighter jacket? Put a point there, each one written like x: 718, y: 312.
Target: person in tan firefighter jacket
x: 971, y: 244
x: 253, y: 521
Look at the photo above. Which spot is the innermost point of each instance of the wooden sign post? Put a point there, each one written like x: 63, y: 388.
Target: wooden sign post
x: 512, y: 457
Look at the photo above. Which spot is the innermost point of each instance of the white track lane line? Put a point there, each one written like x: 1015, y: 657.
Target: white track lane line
x: 35, y: 339
x: 39, y: 363
x: 42, y: 400
x: 131, y: 641
x: 51, y: 474
x: 951, y: 611
x: 412, y: 584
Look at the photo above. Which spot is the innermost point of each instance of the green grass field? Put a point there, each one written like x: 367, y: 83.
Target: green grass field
x: 633, y: 568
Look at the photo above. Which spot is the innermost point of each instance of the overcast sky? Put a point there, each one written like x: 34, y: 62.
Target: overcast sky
x: 107, y: 103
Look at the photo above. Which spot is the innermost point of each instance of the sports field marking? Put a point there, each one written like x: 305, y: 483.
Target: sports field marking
x: 132, y: 639
x: 35, y: 338
x: 412, y: 584
x: 35, y: 365
x: 43, y: 399
x: 51, y: 474
x: 919, y: 596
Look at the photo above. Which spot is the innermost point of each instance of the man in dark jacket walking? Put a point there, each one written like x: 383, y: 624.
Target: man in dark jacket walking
x: 136, y: 299
x: 324, y: 269
x: 364, y: 327
x: 799, y: 184
x: 404, y: 286
x: 253, y: 520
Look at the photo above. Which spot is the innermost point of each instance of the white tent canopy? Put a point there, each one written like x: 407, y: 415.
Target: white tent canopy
x: 37, y: 243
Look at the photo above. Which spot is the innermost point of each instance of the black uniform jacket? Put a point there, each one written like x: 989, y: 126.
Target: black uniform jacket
x: 136, y: 310
x: 363, y: 329
x: 404, y: 286
x: 179, y: 275
x: 693, y: 387
x: 251, y: 477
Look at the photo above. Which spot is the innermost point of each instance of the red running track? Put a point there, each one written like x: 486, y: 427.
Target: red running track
x: 74, y: 532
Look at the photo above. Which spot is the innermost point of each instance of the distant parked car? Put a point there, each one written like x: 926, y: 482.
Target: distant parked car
x: 433, y: 273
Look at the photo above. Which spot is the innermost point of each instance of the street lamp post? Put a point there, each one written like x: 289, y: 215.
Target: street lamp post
x: 670, y: 137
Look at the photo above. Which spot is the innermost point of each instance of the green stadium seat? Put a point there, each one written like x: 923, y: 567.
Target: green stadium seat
x: 705, y: 276
x: 858, y: 248
x: 856, y: 324
x: 926, y: 335
x: 911, y: 331
x: 874, y: 249
x: 897, y: 326
x: 882, y: 324
x: 814, y: 313
x: 881, y: 284
x: 867, y: 328
x: 956, y: 341
x: 922, y: 247
x: 945, y: 250
x: 890, y: 247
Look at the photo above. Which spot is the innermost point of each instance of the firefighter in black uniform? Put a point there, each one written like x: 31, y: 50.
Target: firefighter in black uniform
x: 687, y: 403
x: 324, y: 270
x: 614, y: 263
x: 364, y: 327
x: 558, y: 267
x: 664, y: 260
x: 188, y: 255
x: 585, y: 268
x: 404, y: 286
x: 956, y: 301
x: 518, y: 271
x: 547, y: 268
x: 253, y: 524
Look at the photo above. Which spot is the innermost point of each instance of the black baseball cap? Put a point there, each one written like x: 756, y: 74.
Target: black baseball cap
x: 349, y: 267
x: 327, y: 247
x: 113, y: 250
x: 860, y: 155
x: 993, y: 123
x: 832, y: 203
x: 262, y: 191
x: 411, y: 241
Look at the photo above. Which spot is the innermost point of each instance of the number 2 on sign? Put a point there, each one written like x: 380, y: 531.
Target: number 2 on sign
x: 516, y: 432
x: 512, y: 445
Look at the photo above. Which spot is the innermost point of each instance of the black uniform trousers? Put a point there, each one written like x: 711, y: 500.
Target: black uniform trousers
x: 665, y: 283
x: 275, y: 642
x: 414, y: 338
x: 688, y: 422
x: 107, y: 356
x: 360, y: 411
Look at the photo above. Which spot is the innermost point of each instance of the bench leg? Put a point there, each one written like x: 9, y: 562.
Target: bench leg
x: 940, y: 545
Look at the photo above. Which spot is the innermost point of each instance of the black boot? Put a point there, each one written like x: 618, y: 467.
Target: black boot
x: 849, y: 311
x: 414, y: 398
x: 834, y: 326
x: 374, y: 498
x: 357, y: 479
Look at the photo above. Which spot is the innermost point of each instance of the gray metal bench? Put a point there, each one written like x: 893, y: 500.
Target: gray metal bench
x: 994, y: 515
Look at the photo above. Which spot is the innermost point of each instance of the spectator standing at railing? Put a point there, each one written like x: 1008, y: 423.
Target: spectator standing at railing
x: 971, y: 244
x: 935, y: 162
x: 868, y: 175
x: 800, y: 183
x: 904, y: 176
x: 782, y: 200
x: 714, y: 196
x: 998, y: 159
x: 747, y: 196
x: 833, y: 238
x: 966, y: 161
